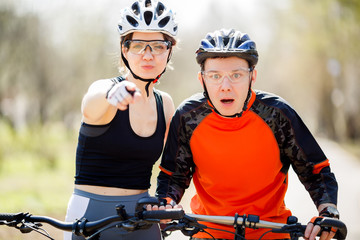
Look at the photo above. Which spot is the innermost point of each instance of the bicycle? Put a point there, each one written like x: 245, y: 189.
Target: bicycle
x: 188, y: 224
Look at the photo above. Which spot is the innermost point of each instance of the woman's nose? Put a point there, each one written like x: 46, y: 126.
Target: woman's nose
x: 147, y: 53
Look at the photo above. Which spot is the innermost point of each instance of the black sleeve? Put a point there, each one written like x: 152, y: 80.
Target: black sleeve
x: 307, y: 159
x: 176, y: 163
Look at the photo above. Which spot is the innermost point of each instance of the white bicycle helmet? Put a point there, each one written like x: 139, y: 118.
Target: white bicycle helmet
x: 147, y: 16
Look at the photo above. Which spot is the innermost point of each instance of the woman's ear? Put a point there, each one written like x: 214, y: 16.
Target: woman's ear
x: 123, y: 50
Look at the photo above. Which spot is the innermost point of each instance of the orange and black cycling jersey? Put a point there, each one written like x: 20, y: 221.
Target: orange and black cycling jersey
x: 240, y: 165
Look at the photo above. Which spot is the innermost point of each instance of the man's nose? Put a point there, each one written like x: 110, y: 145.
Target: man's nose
x: 226, y: 83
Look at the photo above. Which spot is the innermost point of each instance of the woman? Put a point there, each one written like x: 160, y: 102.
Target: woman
x: 125, y: 123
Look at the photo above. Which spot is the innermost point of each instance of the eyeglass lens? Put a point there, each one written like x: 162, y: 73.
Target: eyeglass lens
x: 218, y: 77
x: 139, y: 46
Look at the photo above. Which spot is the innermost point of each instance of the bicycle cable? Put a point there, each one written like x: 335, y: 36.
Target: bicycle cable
x: 37, y: 229
x: 265, y: 234
x: 222, y: 230
x: 100, y: 231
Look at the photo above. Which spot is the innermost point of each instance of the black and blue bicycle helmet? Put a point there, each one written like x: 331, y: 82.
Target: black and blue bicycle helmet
x: 225, y: 43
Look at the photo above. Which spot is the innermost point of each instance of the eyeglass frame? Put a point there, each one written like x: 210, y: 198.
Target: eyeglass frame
x: 225, y: 74
x: 142, y: 51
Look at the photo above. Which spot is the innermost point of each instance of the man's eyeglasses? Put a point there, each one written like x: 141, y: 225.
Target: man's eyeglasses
x: 139, y: 46
x: 217, y: 77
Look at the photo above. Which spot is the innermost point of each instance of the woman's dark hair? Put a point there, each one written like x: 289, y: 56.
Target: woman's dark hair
x: 166, y: 38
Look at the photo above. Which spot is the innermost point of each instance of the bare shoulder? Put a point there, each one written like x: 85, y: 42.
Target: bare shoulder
x: 95, y: 109
x: 166, y: 97
x: 100, y: 84
x: 169, y: 107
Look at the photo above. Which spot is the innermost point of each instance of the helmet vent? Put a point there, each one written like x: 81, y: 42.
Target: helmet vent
x: 132, y: 21
x: 226, y: 41
x: 160, y: 8
x: 164, y: 21
x: 148, y: 17
x: 136, y: 8
x: 145, y: 16
x: 148, y: 3
x: 237, y: 43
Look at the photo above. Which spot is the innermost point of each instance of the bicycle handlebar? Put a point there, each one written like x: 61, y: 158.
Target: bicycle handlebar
x: 87, y: 226
x: 277, y: 227
x: 142, y: 218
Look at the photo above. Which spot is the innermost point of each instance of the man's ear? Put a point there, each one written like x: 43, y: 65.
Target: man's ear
x: 254, y: 76
x: 200, y: 78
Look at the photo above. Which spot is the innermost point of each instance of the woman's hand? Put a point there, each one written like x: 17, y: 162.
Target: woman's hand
x: 122, y: 94
x: 168, y: 206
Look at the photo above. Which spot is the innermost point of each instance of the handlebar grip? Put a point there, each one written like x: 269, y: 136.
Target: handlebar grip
x: 173, y: 214
x: 341, y: 227
x: 340, y: 235
x: 10, y: 216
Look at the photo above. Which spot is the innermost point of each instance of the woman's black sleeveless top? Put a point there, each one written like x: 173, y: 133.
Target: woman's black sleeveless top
x: 113, y: 155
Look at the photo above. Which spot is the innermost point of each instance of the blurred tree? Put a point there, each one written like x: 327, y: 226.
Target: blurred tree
x: 314, y: 57
x: 42, y: 80
x: 321, y: 38
x: 351, y: 29
x: 19, y: 41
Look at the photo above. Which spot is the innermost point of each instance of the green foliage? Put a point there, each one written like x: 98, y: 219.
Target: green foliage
x: 37, y: 168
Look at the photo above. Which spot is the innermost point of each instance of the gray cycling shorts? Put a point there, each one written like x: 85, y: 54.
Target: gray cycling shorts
x: 93, y: 207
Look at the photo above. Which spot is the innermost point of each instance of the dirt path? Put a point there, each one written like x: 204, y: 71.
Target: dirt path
x: 347, y: 171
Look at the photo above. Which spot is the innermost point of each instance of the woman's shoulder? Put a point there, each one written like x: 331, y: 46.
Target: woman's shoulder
x: 167, y: 99
x: 101, y: 83
x: 168, y: 103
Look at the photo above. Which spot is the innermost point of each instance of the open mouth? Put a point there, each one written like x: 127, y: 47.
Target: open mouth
x: 227, y: 100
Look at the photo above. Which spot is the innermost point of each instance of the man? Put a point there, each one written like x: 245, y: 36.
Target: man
x: 237, y: 145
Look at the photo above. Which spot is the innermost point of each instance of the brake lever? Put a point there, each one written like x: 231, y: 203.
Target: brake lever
x: 173, y: 226
x: 295, y: 230
x: 191, y: 226
x: 28, y: 227
x: 184, y: 227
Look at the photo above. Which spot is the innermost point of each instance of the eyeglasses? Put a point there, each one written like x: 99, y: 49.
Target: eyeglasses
x: 139, y: 46
x: 217, y: 77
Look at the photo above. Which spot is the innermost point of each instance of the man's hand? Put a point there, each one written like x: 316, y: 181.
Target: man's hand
x: 313, y: 228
